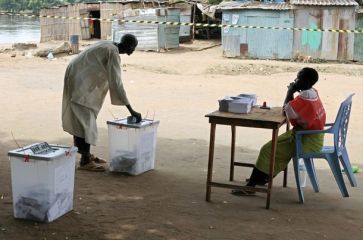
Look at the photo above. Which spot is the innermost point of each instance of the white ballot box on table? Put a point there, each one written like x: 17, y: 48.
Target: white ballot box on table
x: 42, y: 180
x: 242, y: 103
x: 132, y: 145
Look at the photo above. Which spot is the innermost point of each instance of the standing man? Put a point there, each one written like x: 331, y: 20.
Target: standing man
x: 87, y: 80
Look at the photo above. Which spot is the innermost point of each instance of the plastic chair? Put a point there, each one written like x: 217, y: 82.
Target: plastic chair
x: 331, y: 153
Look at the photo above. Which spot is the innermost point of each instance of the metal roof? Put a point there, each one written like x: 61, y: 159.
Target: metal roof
x: 254, y: 5
x: 324, y: 2
x: 103, y: 2
x: 124, y: 1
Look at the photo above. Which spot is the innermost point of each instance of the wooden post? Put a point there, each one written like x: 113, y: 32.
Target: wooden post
x: 193, y: 28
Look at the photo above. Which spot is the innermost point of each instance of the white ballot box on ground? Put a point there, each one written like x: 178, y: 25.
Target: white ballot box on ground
x: 42, y: 180
x: 132, y: 146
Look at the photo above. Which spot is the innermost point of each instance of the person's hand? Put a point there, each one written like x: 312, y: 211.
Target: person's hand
x: 292, y: 88
x: 134, y: 113
x: 137, y: 116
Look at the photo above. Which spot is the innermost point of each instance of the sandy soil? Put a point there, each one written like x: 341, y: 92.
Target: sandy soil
x: 178, y: 88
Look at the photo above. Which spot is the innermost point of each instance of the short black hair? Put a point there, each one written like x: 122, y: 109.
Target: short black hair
x: 129, y: 40
x: 309, y: 74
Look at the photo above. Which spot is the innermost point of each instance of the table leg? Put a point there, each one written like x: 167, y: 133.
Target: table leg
x: 210, y: 160
x: 233, y: 145
x: 272, y: 166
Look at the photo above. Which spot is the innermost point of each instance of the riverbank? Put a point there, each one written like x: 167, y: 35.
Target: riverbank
x: 15, y: 29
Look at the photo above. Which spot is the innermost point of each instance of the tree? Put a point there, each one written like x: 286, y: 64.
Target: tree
x: 34, y: 5
x: 9, y: 5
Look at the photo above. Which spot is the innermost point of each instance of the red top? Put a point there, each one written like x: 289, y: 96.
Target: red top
x: 306, y: 111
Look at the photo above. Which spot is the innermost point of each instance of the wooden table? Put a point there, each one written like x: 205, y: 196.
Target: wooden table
x: 257, y: 118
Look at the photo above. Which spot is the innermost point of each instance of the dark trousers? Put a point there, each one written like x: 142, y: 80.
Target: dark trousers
x: 83, y: 148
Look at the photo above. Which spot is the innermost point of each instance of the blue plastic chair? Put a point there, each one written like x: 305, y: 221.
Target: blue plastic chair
x: 331, y: 153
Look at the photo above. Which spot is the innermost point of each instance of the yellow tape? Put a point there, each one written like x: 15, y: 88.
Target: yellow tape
x: 191, y: 24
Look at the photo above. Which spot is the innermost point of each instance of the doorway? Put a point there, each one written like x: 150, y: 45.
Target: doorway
x: 95, y: 29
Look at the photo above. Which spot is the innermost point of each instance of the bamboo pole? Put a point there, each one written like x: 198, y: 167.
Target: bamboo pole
x: 193, y: 28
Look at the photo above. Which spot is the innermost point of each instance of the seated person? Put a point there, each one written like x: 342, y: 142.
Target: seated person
x: 305, y: 112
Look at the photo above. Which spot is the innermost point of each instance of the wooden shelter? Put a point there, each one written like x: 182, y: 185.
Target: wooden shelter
x: 62, y: 29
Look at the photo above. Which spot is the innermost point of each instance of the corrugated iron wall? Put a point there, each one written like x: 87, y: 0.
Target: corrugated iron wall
x: 109, y: 10
x: 358, y: 39
x: 150, y: 36
x: 324, y: 45
x: 168, y: 34
x: 147, y: 34
x: 185, y: 16
x: 257, y: 43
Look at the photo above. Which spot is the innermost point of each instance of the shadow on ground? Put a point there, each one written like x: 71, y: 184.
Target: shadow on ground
x: 168, y: 202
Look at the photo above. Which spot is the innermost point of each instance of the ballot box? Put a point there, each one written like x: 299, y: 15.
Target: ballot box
x: 42, y: 181
x: 132, y: 145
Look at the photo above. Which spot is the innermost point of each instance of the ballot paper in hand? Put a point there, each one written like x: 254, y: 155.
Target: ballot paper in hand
x: 237, y: 104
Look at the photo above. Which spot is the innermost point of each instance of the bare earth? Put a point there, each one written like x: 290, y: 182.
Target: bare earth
x: 178, y: 88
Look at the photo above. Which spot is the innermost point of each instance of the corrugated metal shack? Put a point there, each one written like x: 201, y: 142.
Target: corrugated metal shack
x: 185, y: 17
x: 285, y: 44
x: 324, y: 14
x: 257, y: 43
x: 358, y: 38
x: 61, y: 29
x: 150, y: 36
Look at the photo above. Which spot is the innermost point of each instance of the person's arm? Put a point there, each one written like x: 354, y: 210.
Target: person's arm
x: 291, y: 89
x: 117, y: 91
x: 290, y: 93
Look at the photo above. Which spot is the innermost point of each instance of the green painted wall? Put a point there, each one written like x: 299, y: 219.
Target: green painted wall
x: 358, y: 40
x: 312, y: 39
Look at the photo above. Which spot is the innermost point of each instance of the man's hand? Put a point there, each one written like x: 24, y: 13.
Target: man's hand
x: 292, y: 88
x: 134, y: 113
x: 137, y: 116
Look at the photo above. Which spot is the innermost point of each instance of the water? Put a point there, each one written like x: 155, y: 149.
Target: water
x: 15, y: 29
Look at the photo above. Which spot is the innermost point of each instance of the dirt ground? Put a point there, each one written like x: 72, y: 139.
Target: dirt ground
x: 179, y: 87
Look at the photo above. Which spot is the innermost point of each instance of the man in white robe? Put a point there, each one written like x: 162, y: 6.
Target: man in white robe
x: 87, y: 80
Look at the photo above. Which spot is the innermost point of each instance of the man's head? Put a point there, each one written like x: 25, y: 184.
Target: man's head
x: 306, y: 78
x: 127, y: 44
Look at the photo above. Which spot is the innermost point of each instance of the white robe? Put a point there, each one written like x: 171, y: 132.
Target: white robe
x: 87, y: 79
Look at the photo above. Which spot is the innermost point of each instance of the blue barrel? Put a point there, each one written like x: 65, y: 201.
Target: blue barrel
x: 74, y: 39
